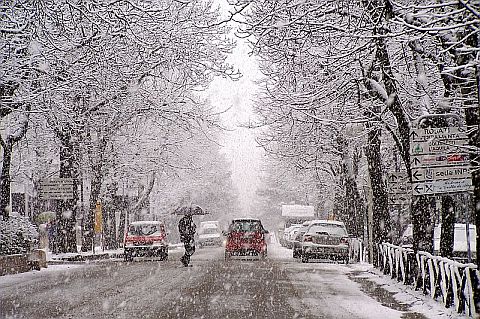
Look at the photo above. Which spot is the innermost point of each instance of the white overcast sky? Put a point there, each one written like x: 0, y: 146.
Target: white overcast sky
x: 239, y: 144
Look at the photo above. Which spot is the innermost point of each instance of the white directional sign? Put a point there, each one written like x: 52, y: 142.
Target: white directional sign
x: 440, y: 173
x: 439, y: 160
x: 398, y: 188
x: 438, y: 133
x: 397, y: 183
x: 433, y: 160
x: 435, y: 146
x: 397, y: 199
x: 56, y: 188
x: 442, y: 186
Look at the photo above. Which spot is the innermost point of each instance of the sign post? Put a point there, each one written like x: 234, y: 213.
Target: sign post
x: 98, y: 227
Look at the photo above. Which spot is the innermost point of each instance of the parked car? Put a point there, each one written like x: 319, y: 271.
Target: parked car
x: 298, y: 240
x: 246, y: 237
x: 146, y: 238
x: 325, y: 239
x: 286, y: 234
x: 290, y: 236
x: 460, y: 250
x: 209, y: 236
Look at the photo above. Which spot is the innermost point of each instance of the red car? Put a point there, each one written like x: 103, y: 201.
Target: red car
x: 245, y: 237
x: 146, y: 238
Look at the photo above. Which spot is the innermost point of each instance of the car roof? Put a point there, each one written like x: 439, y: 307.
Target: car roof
x: 245, y: 219
x: 324, y: 221
x: 146, y: 222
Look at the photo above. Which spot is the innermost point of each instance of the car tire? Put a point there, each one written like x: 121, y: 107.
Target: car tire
x: 263, y: 255
x: 128, y: 256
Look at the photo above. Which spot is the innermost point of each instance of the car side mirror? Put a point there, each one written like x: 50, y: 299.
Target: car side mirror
x: 265, y: 231
x: 225, y: 233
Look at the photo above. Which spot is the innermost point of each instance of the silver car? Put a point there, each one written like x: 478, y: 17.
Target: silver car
x: 325, y: 239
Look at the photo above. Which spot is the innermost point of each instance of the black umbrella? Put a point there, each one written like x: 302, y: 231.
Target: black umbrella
x: 189, y: 210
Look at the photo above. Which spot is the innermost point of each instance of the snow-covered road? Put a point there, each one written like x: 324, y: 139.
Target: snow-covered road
x: 278, y: 287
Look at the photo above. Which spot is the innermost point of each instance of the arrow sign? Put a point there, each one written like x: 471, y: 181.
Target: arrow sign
x: 439, y: 133
x: 397, y: 199
x: 441, y: 173
x: 455, y: 159
x: 435, y: 146
x: 398, y: 188
x: 442, y: 186
x: 397, y: 177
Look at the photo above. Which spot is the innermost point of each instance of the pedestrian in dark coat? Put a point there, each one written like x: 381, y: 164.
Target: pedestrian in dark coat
x: 187, y: 230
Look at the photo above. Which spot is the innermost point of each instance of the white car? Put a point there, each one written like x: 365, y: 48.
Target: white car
x: 209, y: 236
x: 325, y: 239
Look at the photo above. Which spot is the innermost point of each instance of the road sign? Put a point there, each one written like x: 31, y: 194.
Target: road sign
x: 456, y: 159
x: 55, y: 188
x: 398, y: 199
x: 396, y: 177
x: 440, y: 173
x: 438, y: 133
x: 435, y: 146
x: 397, y: 183
x: 398, y: 188
x: 442, y: 186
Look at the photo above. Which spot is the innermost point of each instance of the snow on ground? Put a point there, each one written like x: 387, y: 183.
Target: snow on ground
x: 9, y: 280
x: 345, y: 288
x: 417, y: 301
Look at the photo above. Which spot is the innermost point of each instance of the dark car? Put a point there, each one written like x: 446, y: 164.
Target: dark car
x: 297, y: 241
x: 246, y: 237
x: 146, y: 238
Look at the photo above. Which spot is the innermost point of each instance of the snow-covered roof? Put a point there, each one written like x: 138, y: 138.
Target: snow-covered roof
x: 336, y: 222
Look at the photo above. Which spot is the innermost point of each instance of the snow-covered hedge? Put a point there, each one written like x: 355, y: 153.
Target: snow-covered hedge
x: 17, y: 235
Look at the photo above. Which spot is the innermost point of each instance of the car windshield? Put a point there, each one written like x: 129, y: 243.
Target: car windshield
x: 246, y: 226
x: 143, y: 229
x: 330, y: 229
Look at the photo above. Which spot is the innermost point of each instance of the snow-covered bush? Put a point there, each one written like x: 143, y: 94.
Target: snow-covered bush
x: 17, y: 235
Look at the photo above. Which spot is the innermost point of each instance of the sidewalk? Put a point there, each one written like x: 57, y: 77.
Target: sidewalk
x: 89, y: 255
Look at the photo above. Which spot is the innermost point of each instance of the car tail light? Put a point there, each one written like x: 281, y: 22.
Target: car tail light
x: 308, y: 238
x: 344, y: 240
x: 258, y: 235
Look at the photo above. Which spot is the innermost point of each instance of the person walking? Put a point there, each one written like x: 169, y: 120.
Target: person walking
x: 187, y: 229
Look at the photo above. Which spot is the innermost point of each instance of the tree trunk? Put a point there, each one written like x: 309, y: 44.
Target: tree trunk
x: 448, y: 227
x: 381, y: 217
x: 89, y: 217
x: 5, y: 179
x: 422, y: 230
x: 109, y: 220
x: 67, y: 209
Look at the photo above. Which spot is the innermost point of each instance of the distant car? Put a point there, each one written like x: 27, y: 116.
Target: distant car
x: 325, y: 239
x: 286, y: 234
x: 290, y: 236
x: 298, y: 240
x: 209, y: 236
x: 146, y: 238
x: 246, y: 237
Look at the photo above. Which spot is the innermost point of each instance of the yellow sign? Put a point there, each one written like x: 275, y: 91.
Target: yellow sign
x: 98, y: 218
